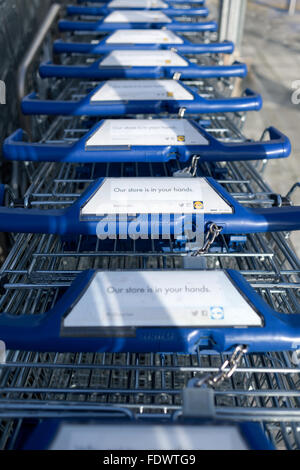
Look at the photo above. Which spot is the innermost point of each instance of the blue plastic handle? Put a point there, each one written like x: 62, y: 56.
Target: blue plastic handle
x: 249, y: 102
x: 103, y: 47
x: 46, y: 432
x: 17, y: 148
x: 46, y: 332
x: 69, y: 221
x: 105, y: 10
x: 66, y: 25
x: 98, y: 72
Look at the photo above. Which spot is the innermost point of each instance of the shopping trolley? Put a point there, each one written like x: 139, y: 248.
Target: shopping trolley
x: 69, y: 131
x: 191, y: 434
x: 92, y: 317
x: 138, y: 19
x: 121, y: 97
x: 156, y: 5
x: 139, y: 64
x: 178, y: 198
x: 142, y: 39
x: 121, y: 140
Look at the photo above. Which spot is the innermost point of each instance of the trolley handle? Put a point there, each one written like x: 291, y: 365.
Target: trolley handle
x: 69, y: 221
x: 211, y: 26
x: 96, y: 71
x: 278, y: 146
x: 105, y: 10
x: 250, y: 101
x: 47, y: 332
x: 66, y: 25
x: 60, y: 46
x: 66, y: 222
x: 16, y: 147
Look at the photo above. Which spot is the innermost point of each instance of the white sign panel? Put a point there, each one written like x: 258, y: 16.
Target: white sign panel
x: 143, y: 59
x: 145, y: 132
x: 138, y: 16
x: 155, y: 196
x: 161, y: 299
x: 137, y: 4
x: 144, y: 36
x: 141, y: 90
x: 146, y: 437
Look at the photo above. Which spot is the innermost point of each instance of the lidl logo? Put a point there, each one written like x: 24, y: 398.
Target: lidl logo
x: 198, y: 205
x: 216, y: 313
x: 181, y: 138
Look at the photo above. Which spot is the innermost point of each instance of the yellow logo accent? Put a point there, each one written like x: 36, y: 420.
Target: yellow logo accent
x: 168, y: 61
x: 198, y: 205
x: 181, y: 138
x: 170, y: 93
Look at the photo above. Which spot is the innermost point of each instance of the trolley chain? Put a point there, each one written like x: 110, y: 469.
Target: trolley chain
x: 192, y: 169
x: 226, y: 370
x: 213, y: 233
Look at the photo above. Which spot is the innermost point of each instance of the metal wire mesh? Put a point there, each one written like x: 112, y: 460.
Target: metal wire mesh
x: 265, y: 388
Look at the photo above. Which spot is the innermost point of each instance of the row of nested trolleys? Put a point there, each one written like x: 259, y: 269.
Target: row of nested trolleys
x: 108, y: 335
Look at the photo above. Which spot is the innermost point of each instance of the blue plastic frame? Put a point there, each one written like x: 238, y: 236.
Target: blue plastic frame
x: 45, y: 332
x: 242, y: 220
x: 250, y: 101
x: 45, y: 432
x: 60, y: 46
x: 16, y: 148
x: 105, y: 10
x: 98, y: 72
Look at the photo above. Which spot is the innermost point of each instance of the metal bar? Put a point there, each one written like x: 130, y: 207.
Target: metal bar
x: 22, y: 75
x: 232, y: 19
x: 292, y: 7
x: 31, y: 55
x: 35, y: 48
